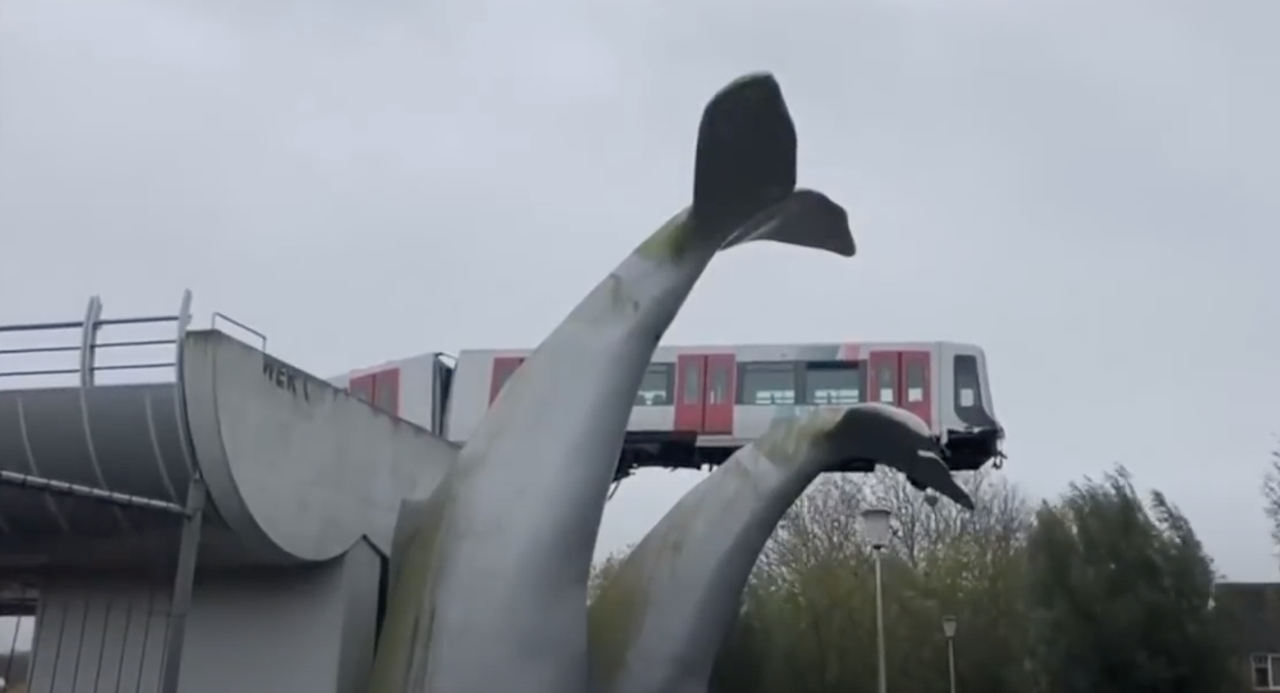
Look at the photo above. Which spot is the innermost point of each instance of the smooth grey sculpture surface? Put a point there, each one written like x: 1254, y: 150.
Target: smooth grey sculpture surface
x: 657, y: 623
x: 491, y: 594
x: 928, y: 470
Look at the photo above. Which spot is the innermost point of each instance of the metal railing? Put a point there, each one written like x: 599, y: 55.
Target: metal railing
x: 213, y: 324
x: 90, y: 346
x: 86, y: 368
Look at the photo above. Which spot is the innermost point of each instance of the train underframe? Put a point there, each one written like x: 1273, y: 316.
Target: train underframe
x: 966, y: 450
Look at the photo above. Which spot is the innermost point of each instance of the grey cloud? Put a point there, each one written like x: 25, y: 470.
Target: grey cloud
x: 1084, y: 188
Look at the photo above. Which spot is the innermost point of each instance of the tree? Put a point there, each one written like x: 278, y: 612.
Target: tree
x: 808, y: 621
x: 1271, y: 497
x: 603, y: 570
x: 1099, y: 591
x: 1120, y: 596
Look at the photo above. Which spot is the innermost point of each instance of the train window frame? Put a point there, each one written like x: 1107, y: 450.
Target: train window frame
x: 887, y: 392
x: 719, y: 382
x: 389, y: 403
x: 914, y: 389
x: 746, y: 369
x: 693, y: 381
x: 362, y: 387
x: 499, y: 378
x: 666, y: 374
x: 504, y: 376
x: 857, y: 367
x: 967, y: 363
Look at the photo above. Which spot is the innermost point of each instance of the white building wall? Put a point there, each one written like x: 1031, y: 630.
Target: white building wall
x: 309, y: 628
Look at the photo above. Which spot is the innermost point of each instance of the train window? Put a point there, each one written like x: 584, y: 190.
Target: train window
x: 832, y: 382
x: 968, y: 386
x: 503, y: 368
x: 767, y: 383
x: 692, y: 382
x: 502, y: 376
x: 884, y: 378
x: 361, y: 387
x: 655, y: 388
x: 916, y: 381
x: 718, y: 382
x: 386, y: 391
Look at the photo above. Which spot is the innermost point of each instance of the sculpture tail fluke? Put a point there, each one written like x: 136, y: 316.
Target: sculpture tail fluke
x: 807, y: 218
x: 744, y: 181
x: 933, y: 473
x: 746, y: 155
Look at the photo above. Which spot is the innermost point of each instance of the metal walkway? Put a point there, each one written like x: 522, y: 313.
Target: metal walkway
x: 55, y: 434
x: 93, y: 472
x: 138, y: 447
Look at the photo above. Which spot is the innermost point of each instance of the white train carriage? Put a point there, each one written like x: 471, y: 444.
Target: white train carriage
x: 696, y: 405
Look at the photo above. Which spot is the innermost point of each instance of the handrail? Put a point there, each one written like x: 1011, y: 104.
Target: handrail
x: 213, y: 324
x: 89, y: 346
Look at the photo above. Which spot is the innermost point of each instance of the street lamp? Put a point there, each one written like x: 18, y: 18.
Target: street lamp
x: 875, y: 526
x: 949, y: 629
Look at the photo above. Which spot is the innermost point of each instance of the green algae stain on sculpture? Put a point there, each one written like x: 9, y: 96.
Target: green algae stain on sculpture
x: 670, y: 242
x: 406, y: 625
x: 787, y: 442
x: 613, y: 624
x: 496, y: 592
x: 690, y: 570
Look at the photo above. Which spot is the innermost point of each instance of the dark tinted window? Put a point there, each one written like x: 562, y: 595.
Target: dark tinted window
x: 691, y: 389
x: 386, y: 391
x: 885, y: 382
x: 767, y: 383
x: 655, y: 389
x: 718, y: 382
x: 968, y: 392
x: 915, y: 381
x: 1262, y: 672
x: 834, y: 382
x: 968, y: 384
x: 503, y: 369
x: 503, y: 375
x: 361, y: 387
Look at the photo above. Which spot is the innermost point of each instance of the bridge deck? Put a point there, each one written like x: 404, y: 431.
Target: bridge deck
x: 297, y: 470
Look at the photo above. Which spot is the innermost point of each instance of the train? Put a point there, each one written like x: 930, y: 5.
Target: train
x: 698, y: 404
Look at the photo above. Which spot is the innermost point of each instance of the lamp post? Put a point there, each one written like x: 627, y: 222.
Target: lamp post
x: 875, y: 526
x: 949, y: 629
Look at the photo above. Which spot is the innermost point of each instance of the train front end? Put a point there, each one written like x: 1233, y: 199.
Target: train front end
x: 970, y: 434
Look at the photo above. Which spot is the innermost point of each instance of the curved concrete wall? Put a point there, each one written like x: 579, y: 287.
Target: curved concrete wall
x: 299, y: 469
x: 124, y: 439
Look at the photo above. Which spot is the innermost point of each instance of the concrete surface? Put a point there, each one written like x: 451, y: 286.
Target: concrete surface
x: 297, y: 470
x: 299, y: 628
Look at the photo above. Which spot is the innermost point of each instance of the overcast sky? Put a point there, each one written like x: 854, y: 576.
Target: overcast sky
x: 1087, y: 193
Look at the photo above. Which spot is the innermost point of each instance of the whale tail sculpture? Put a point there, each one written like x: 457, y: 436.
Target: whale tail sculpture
x: 928, y: 470
x: 657, y: 623
x: 491, y: 595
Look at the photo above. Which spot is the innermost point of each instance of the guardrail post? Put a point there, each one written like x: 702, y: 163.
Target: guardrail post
x: 183, y: 580
x: 88, y: 337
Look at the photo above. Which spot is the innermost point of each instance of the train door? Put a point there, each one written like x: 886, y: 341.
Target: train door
x: 386, y: 391
x: 705, y: 393
x: 690, y: 388
x: 441, y: 390
x: 882, y: 377
x: 916, y: 395
x: 721, y: 370
x: 503, y: 368
x: 362, y: 387
x: 903, y: 379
